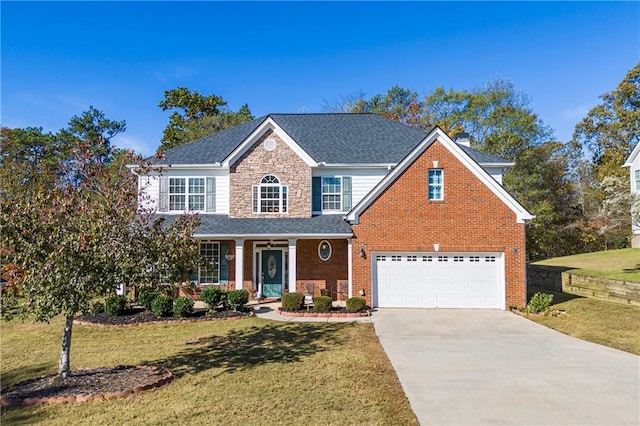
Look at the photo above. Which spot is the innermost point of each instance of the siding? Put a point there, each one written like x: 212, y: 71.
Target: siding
x: 362, y: 179
x: 150, y: 185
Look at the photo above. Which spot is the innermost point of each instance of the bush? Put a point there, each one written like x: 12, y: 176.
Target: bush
x: 162, y: 306
x: 292, y: 301
x: 213, y: 296
x: 356, y: 304
x: 96, y: 307
x: 237, y: 299
x: 182, y: 307
x: 115, y: 305
x: 322, y: 304
x: 147, y: 296
x: 539, y: 303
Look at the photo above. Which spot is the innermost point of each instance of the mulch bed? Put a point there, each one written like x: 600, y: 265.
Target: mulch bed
x: 335, y: 313
x: 140, y: 316
x: 84, y: 385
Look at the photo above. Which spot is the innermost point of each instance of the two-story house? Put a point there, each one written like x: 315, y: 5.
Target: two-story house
x: 351, y: 204
x: 633, y: 162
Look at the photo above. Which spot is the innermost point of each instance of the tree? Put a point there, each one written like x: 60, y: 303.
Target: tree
x: 610, y: 130
x: 69, y: 224
x: 200, y: 116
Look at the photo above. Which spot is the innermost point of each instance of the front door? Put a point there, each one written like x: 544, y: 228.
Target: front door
x: 272, y: 276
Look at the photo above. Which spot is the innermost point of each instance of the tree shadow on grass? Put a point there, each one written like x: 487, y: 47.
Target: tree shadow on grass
x: 10, y: 377
x: 240, y: 349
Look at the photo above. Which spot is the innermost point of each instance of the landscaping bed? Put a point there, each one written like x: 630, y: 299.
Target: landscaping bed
x: 85, y: 385
x: 334, y: 313
x: 139, y: 316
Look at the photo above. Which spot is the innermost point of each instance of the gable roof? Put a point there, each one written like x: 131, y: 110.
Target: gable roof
x: 331, y: 138
x: 461, y: 154
x: 632, y: 156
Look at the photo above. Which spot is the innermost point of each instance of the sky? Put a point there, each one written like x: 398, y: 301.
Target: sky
x: 58, y: 58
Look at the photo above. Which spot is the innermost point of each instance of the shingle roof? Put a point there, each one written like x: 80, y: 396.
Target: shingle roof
x: 334, y: 138
x: 222, y: 226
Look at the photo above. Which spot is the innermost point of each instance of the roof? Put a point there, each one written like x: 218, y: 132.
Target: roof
x: 460, y: 152
x: 632, y: 156
x: 332, y: 138
x: 222, y: 226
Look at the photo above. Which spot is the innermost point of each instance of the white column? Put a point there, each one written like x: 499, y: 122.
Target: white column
x: 239, y: 264
x: 293, y: 265
x: 350, y: 267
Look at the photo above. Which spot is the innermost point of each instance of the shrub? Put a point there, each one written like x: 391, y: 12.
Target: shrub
x: 182, y: 307
x: 292, y: 301
x: 356, y: 304
x: 115, y: 305
x: 539, y: 303
x: 237, y: 299
x: 162, y: 306
x: 96, y: 307
x: 322, y: 304
x: 213, y: 296
x: 146, y: 296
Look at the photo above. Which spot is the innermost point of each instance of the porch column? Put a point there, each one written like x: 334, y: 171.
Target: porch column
x: 293, y: 266
x: 350, y: 267
x: 239, y: 264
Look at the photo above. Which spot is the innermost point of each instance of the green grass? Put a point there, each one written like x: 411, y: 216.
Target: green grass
x: 621, y: 265
x: 599, y: 321
x: 246, y: 372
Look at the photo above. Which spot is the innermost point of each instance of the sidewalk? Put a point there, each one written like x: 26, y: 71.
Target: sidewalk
x: 268, y: 311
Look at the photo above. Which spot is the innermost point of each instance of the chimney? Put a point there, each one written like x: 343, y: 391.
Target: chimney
x: 462, y: 138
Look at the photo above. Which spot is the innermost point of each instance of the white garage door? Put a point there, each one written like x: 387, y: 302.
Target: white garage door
x: 438, y: 280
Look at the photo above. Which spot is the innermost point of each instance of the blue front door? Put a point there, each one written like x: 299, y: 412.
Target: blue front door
x: 272, y: 276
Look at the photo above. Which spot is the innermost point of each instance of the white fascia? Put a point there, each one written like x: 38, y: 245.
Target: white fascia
x: 271, y: 236
x: 357, y: 165
x: 522, y: 214
x: 632, y: 157
x: 268, y: 124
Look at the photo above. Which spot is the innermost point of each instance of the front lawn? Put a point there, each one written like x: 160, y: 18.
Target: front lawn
x: 621, y: 265
x: 249, y: 371
x: 607, y: 323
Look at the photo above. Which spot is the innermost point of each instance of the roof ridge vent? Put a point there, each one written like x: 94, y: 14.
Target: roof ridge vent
x: 462, y: 138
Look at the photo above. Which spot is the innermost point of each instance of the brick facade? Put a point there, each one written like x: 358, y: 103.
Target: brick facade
x: 281, y: 162
x: 471, y: 218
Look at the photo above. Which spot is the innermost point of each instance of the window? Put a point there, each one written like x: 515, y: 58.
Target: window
x: 270, y: 196
x: 435, y: 184
x: 209, y: 270
x: 324, y: 250
x: 637, y: 180
x: 331, y: 194
x: 187, y: 193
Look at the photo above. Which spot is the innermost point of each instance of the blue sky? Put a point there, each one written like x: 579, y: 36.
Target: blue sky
x: 60, y: 57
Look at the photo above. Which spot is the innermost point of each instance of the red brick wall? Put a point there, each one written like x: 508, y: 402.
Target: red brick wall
x: 469, y: 219
x: 323, y: 275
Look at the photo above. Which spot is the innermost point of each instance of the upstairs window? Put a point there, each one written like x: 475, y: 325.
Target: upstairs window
x: 435, y: 185
x: 270, y: 196
x: 637, y: 180
x: 187, y: 193
x: 331, y: 194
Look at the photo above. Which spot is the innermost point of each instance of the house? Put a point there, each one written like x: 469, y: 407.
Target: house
x: 349, y: 205
x: 633, y: 162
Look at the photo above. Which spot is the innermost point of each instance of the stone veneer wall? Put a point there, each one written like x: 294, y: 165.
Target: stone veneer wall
x: 281, y: 162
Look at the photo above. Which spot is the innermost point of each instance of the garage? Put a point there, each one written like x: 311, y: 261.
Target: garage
x: 438, y: 280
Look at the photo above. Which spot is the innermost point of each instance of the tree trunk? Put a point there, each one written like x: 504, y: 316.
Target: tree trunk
x: 63, y: 365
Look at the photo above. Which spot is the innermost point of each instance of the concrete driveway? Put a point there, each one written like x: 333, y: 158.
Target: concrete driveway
x: 486, y: 367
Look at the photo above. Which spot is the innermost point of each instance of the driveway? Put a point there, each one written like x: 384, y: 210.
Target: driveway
x: 489, y: 367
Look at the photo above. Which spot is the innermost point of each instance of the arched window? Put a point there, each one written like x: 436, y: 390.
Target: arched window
x: 269, y: 196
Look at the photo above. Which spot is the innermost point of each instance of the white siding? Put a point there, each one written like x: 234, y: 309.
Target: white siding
x: 496, y: 173
x: 362, y: 179
x: 149, y: 185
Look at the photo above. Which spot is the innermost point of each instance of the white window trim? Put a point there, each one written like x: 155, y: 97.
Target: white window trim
x: 256, y: 208
x: 339, y: 194
x: 217, y: 243
x: 186, y: 193
x: 441, y: 185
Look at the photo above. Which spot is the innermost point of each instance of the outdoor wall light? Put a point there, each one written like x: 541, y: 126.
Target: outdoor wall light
x: 361, y: 292
x: 362, y: 254
x: 229, y: 256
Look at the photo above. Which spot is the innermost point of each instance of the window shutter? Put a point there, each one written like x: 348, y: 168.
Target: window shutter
x: 316, y: 194
x: 162, y: 194
x: 211, y: 194
x: 346, y: 193
x: 224, y: 264
x: 254, y: 201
